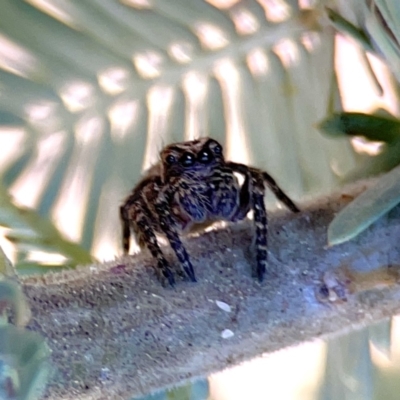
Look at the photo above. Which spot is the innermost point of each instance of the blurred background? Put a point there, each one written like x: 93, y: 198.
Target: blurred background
x: 90, y: 92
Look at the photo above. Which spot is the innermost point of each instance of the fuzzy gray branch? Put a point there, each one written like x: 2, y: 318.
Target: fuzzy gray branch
x: 116, y: 333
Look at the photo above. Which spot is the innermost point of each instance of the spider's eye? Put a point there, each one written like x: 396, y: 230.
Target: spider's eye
x: 170, y: 159
x: 187, y: 159
x: 218, y: 149
x: 205, y: 156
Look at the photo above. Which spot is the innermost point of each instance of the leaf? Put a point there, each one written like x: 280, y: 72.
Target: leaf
x: 372, y: 127
x: 24, y: 364
x: 346, y: 27
x: 386, y: 160
x: 366, y: 209
x: 384, y: 42
x: 11, y: 294
x: 29, y: 228
x: 6, y: 268
x: 361, y: 37
x: 382, y: 27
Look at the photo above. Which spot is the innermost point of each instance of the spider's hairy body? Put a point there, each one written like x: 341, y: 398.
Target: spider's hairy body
x: 193, y: 185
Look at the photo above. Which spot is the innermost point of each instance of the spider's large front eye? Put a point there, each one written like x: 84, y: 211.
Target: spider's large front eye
x: 205, y: 156
x: 218, y: 149
x: 187, y: 159
x: 170, y: 159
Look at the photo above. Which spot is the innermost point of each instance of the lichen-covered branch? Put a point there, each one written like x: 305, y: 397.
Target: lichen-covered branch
x: 116, y: 333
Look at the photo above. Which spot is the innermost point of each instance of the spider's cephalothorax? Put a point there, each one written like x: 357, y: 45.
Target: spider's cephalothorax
x: 193, y: 184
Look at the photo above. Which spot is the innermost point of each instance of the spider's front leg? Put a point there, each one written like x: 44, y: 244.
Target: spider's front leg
x: 138, y: 216
x: 168, y: 227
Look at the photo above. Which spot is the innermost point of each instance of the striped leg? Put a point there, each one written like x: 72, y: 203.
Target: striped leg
x: 138, y: 216
x: 279, y: 193
x: 257, y: 193
x: 168, y: 227
x: 261, y: 223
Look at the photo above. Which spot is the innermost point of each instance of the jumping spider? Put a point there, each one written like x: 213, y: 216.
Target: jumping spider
x: 191, y: 185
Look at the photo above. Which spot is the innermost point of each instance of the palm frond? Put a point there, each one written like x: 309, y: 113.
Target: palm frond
x: 99, y: 87
x: 30, y: 231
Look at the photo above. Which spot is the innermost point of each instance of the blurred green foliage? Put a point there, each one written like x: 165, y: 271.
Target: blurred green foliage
x: 375, y: 26
x: 24, y: 355
x: 28, y: 230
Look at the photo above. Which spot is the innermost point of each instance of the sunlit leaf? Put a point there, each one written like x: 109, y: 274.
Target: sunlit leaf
x: 366, y: 208
x: 372, y: 127
x: 346, y: 27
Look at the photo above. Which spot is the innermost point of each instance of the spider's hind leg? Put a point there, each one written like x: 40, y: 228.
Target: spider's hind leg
x: 279, y: 193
